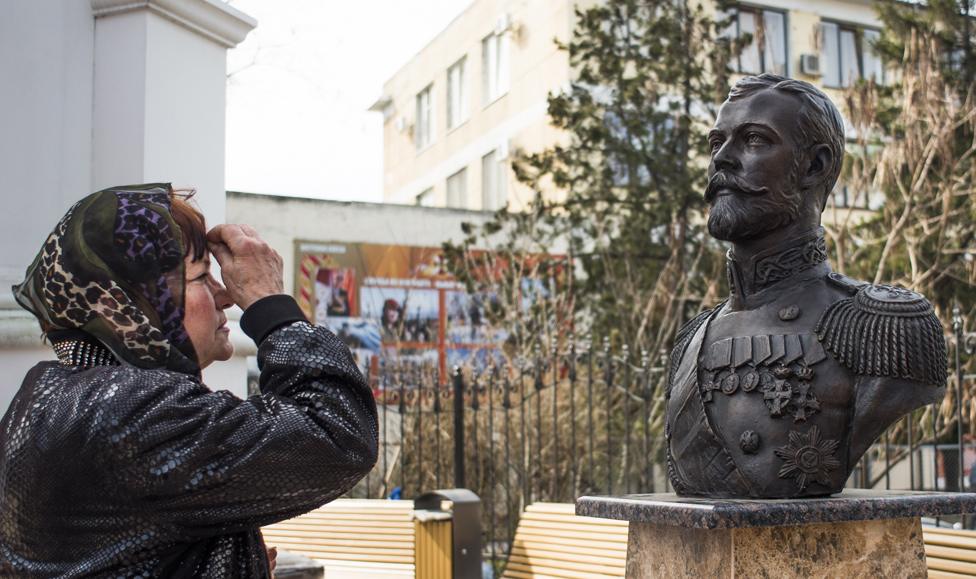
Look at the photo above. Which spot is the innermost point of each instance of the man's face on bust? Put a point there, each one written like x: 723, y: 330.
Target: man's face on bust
x: 753, y: 173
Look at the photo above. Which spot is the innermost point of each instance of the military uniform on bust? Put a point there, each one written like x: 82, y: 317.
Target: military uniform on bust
x: 767, y: 413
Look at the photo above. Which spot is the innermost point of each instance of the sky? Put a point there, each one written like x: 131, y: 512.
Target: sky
x: 300, y: 84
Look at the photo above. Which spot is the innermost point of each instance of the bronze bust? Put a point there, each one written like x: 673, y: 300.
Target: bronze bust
x: 779, y: 390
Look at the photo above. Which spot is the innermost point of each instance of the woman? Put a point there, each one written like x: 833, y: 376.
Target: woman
x: 116, y: 460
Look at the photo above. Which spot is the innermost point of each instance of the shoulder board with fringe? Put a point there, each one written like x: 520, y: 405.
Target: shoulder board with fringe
x: 886, y: 331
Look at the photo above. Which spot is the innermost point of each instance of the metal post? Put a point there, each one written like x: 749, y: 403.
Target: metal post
x: 960, y: 345
x: 458, y: 429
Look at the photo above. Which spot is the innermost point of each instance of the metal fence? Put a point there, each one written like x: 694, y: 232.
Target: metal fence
x: 584, y: 419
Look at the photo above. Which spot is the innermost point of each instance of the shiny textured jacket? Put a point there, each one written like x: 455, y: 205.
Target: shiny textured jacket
x: 117, y: 471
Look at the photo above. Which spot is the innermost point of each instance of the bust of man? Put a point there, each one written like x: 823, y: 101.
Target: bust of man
x: 779, y: 390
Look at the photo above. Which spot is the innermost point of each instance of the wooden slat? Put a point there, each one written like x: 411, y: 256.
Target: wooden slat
x: 572, y: 531
x: 945, y: 531
x: 339, y: 556
x: 941, y: 552
x: 552, y: 541
x: 946, y: 575
x: 396, y: 542
x: 577, y: 558
x: 346, y: 530
x: 948, y: 565
x: 570, y: 550
x: 574, y: 526
x: 547, y: 572
x: 542, y: 507
x: 950, y: 541
x: 361, y: 522
x: 562, y: 518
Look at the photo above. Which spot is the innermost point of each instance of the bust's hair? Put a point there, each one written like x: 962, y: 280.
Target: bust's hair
x: 819, y: 120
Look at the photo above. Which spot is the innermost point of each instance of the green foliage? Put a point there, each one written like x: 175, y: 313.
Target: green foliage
x: 621, y: 195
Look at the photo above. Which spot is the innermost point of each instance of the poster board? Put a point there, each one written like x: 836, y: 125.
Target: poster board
x: 393, y: 302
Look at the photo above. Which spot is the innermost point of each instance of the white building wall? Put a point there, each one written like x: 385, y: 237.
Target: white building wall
x: 284, y: 221
x: 99, y: 93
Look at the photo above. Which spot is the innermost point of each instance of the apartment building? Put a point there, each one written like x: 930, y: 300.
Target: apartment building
x: 461, y: 107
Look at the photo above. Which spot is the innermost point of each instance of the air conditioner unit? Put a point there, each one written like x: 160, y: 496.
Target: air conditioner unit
x: 810, y: 64
x: 403, y: 125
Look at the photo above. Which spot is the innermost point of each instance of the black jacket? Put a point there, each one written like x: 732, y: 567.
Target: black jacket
x: 116, y: 471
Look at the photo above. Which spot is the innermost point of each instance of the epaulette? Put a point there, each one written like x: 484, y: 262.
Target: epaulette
x: 885, y: 331
x: 849, y: 284
x: 684, y: 336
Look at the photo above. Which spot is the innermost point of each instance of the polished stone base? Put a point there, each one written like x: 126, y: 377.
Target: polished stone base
x: 887, y: 548
x: 854, y: 534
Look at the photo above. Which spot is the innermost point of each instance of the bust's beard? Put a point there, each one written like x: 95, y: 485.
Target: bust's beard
x: 743, y: 217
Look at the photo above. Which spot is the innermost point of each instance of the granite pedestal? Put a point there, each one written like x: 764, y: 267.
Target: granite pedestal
x: 857, y: 533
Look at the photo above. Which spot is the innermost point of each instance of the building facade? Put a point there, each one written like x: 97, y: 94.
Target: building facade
x: 458, y: 110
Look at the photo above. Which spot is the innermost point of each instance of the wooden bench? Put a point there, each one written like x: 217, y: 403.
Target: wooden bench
x: 551, y: 541
x: 359, y: 538
x: 950, y: 553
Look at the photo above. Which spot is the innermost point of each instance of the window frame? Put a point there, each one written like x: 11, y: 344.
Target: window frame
x: 462, y: 202
x: 425, y: 198
x: 859, y: 47
x: 419, y: 144
x: 493, y: 168
x: 501, y: 41
x: 734, y: 12
x: 460, y: 117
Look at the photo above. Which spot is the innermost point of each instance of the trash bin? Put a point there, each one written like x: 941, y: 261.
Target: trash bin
x: 464, y: 508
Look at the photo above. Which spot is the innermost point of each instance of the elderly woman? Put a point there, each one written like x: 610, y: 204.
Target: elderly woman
x: 116, y: 460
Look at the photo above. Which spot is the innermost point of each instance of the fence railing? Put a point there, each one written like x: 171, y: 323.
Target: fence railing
x: 586, y: 419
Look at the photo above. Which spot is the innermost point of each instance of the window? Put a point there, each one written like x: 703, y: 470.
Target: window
x: 424, y: 130
x: 493, y: 182
x: 847, y: 54
x: 457, y: 99
x: 457, y: 189
x: 494, y: 66
x: 425, y: 198
x: 766, y: 51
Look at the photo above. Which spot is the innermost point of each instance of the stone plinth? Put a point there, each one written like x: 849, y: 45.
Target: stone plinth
x: 855, y: 534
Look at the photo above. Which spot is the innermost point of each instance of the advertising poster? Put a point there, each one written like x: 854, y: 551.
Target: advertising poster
x: 393, y: 301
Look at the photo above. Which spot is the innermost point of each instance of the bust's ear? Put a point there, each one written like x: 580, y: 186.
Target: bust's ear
x: 821, y: 160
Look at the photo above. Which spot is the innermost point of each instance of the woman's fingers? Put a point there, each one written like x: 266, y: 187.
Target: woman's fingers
x: 220, y: 252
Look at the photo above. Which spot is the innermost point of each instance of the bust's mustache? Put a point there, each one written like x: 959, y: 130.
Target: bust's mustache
x: 723, y: 180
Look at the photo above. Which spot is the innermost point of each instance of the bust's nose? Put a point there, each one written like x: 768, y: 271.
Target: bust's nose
x: 725, y: 159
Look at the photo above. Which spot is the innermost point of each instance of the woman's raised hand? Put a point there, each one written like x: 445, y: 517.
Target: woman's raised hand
x: 250, y: 268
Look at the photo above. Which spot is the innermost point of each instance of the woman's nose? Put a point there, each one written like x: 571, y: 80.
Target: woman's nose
x: 221, y: 296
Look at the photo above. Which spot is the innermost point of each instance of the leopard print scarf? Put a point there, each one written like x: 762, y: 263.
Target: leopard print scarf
x: 113, y: 268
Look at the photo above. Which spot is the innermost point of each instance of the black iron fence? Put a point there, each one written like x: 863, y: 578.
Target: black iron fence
x: 584, y: 419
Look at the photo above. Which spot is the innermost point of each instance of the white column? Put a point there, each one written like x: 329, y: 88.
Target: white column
x: 102, y: 93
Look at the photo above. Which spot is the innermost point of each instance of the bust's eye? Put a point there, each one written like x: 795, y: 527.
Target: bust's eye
x: 755, y: 139
x: 715, y: 145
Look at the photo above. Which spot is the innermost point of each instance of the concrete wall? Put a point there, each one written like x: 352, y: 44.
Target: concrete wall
x: 99, y: 93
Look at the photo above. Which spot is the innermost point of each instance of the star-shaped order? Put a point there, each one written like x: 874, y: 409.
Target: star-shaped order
x: 808, y: 457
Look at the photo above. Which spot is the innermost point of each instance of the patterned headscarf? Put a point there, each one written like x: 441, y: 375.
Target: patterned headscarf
x: 113, y: 268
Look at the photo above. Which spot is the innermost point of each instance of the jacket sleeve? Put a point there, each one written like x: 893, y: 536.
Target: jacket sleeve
x: 202, y: 462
